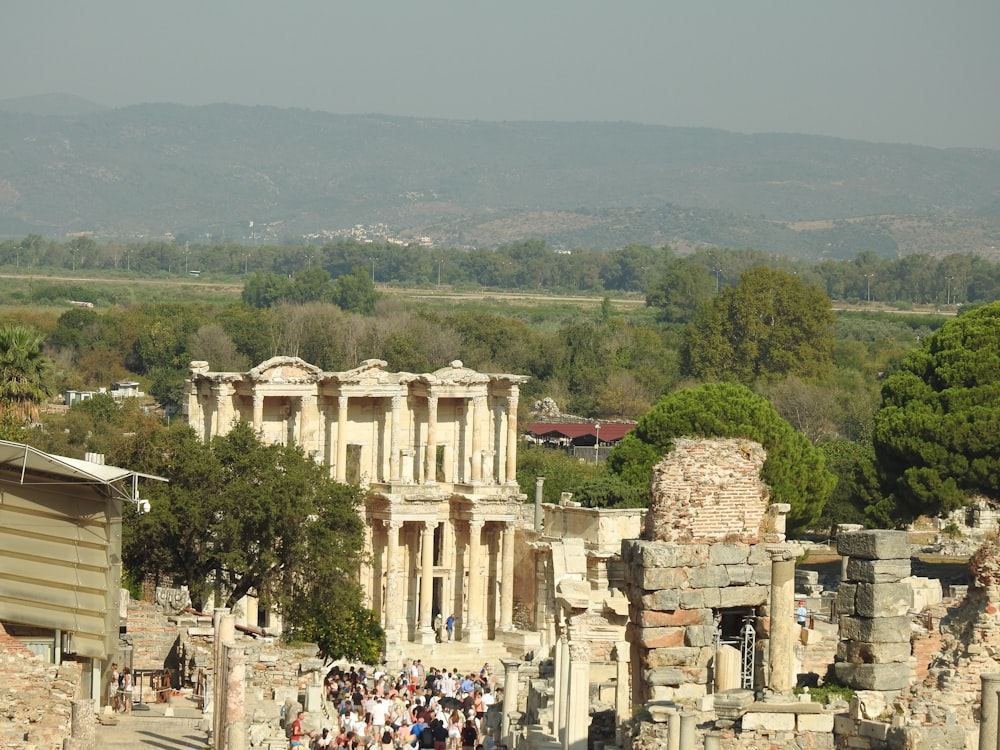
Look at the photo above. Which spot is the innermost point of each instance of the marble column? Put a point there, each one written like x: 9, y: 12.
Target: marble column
x: 781, y: 639
x: 258, y: 411
x: 561, y: 688
x: 219, y: 421
x: 512, y: 438
x: 394, y: 438
x: 478, y: 430
x: 689, y: 726
x: 341, y: 438
x: 507, y: 579
x: 225, y: 632
x: 988, y: 712
x: 578, y: 698
x: 391, y: 608
x: 473, y: 628
x: 427, y: 582
x: 623, y: 690
x: 83, y: 725
x: 430, y: 457
x: 366, y: 570
x: 235, y: 698
x: 307, y: 407
x: 511, y: 687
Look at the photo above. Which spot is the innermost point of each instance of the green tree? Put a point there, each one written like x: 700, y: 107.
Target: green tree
x: 562, y: 471
x: 937, y: 432
x: 355, y: 292
x: 684, y: 288
x: 251, y: 518
x: 25, y: 374
x: 772, y: 323
x: 794, y: 469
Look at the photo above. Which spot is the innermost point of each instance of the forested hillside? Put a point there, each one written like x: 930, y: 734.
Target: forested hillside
x: 258, y: 173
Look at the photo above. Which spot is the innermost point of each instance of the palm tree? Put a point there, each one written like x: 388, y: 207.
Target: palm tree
x: 24, y: 372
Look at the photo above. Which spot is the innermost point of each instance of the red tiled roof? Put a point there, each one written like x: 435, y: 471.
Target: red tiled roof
x: 610, y: 431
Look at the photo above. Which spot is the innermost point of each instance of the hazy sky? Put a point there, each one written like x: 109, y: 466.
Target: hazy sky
x: 907, y: 71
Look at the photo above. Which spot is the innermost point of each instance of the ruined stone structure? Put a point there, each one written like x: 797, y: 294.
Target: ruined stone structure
x: 437, y: 453
x: 700, y: 580
x: 873, y: 603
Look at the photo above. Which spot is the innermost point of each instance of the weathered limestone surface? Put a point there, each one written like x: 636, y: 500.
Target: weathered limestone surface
x: 874, y: 545
x: 883, y: 630
x: 878, y: 571
x: 882, y: 600
x: 895, y: 676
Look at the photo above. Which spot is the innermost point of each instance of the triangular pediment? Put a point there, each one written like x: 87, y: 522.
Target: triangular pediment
x: 371, y: 371
x: 285, y: 370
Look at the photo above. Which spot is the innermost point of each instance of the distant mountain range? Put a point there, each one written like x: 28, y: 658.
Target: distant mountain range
x: 268, y: 174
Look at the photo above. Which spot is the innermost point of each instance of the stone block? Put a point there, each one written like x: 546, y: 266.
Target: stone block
x: 873, y: 676
x: 768, y: 722
x: 664, y: 578
x: 672, y: 657
x: 674, y: 618
x: 882, y: 630
x: 877, y: 571
x: 664, y: 555
x: 845, y: 725
x: 708, y: 577
x: 761, y: 575
x: 712, y: 598
x: 728, y: 553
x: 874, y: 544
x: 861, y: 652
x: 846, y: 594
x: 665, y: 676
x: 942, y: 737
x: 882, y: 600
x: 867, y: 704
x: 743, y: 596
x: 804, y: 577
x: 663, y: 601
x: 739, y: 575
x: 814, y: 722
x: 699, y: 635
x: 759, y: 555
x: 692, y: 599
x: 660, y: 637
x: 809, y: 637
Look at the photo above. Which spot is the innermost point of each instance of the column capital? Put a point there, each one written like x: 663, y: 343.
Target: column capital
x: 782, y: 553
x: 392, y: 523
x: 579, y: 652
x: 623, y: 651
x: 512, y: 664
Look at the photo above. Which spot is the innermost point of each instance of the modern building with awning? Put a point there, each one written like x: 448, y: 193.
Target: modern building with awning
x: 60, y: 554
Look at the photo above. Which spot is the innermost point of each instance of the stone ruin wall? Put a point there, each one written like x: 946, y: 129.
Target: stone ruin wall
x: 708, y: 490
x: 672, y: 591
x: 699, y: 553
x: 35, y: 697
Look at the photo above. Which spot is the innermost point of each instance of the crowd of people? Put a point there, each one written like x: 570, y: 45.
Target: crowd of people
x: 418, y: 709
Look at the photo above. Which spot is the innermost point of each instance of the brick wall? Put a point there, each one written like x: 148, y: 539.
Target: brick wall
x: 34, y: 697
x: 708, y: 490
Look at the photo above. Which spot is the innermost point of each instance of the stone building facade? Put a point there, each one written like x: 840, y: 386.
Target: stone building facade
x: 437, y: 454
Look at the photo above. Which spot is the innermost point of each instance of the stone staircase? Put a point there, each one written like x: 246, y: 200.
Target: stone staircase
x: 455, y: 655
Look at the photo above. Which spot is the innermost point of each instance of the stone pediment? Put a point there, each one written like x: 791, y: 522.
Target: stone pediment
x: 285, y: 370
x: 369, y: 372
x: 458, y: 374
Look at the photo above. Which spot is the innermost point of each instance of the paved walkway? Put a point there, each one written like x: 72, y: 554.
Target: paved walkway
x: 147, y: 726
